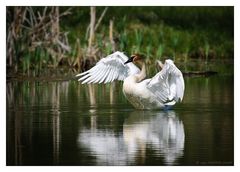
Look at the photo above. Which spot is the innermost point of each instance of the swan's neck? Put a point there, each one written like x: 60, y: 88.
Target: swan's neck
x: 142, y: 74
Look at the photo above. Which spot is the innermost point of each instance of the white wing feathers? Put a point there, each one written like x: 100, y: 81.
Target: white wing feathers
x: 168, y: 84
x: 109, y: 69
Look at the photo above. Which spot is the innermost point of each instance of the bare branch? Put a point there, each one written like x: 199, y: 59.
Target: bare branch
x: 100, y: 18
x: 65, y: 47
x: 67, y: 12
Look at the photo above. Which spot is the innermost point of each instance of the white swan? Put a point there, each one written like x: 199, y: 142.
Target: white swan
x: 163, y: 90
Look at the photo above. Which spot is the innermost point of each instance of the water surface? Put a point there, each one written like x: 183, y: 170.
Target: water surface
x: 66, y: 123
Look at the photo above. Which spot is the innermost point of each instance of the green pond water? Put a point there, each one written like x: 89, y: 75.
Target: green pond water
x: 66, y: 123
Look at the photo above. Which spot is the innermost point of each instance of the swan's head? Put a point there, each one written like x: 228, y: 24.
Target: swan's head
x: 134, y: 58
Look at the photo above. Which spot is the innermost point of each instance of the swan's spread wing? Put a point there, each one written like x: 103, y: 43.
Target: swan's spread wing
x: 109, y: 69
x: 168, y: 84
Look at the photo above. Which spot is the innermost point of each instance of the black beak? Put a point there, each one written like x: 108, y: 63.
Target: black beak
x: 129, y: 60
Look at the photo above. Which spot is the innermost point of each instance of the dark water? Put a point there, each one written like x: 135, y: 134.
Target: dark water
x: 65, y: 123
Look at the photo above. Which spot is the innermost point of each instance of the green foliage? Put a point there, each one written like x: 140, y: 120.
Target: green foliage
x: 138, y: 35
x: 160, y: 51
x: 178, y: 32
x: 123, y: 41
x: 182, y: 30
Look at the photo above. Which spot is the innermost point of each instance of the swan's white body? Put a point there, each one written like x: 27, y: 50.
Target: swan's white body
x: 164, y: 89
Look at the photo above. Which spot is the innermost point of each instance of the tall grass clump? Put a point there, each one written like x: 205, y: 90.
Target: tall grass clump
x: 160, y: 50
x: 138, y: 39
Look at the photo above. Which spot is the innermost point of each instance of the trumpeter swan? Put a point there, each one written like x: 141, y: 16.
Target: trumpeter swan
x: 163, y: 90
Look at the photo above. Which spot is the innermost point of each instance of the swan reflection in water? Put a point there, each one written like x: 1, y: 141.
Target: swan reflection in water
x: 162, y: 132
